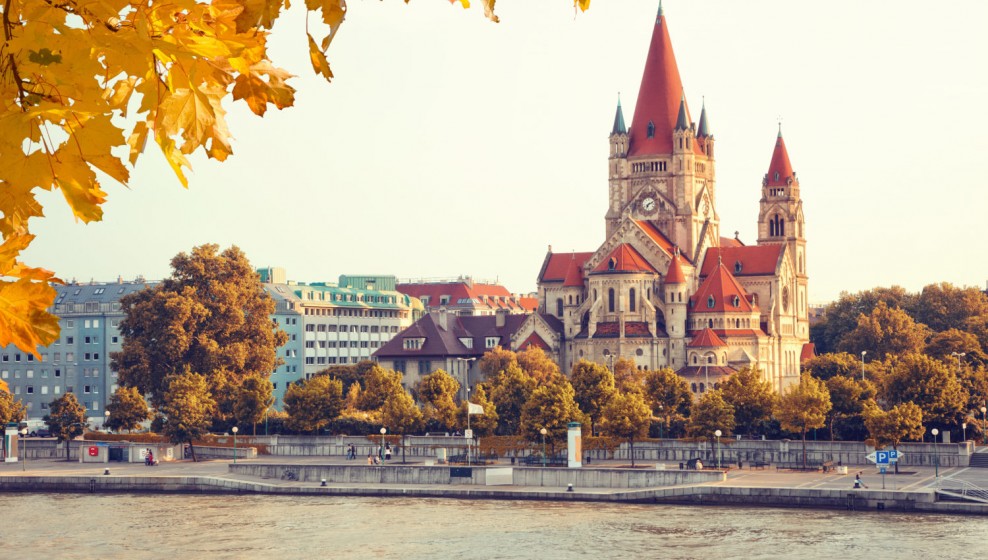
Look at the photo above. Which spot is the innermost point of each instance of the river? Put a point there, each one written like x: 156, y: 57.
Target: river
x: 283, y: 527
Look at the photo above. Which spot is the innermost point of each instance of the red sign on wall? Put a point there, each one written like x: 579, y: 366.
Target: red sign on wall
x: 93, y: 451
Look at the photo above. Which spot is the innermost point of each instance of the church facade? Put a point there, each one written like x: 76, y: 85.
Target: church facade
x: 664, y: 289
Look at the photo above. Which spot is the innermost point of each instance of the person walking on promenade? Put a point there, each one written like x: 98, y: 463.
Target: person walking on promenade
x: 857, y: 481
x: 370, y: 458
x: 387, y: 452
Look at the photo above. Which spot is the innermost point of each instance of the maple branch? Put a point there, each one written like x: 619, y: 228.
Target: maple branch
x: 8, y: 35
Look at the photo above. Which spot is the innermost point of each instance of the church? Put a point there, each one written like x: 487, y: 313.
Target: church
x: 664, y: 289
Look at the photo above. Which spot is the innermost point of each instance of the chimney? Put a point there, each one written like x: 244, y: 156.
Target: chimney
x: 499, y: 317
x: 443, y: 320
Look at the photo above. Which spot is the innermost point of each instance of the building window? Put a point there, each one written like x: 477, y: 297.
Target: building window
x: 651, y: 129
x: 710, y: 302
x: 491, y: 341
x: 610, y: 300
x: 631, y: 300
x: 559, y: 307
x: 738, y: 267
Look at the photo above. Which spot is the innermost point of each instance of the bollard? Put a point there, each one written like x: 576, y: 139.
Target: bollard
x: 106, y: 472
x: 569, y: 487
x: 323, y: 483
x: 588, y: 459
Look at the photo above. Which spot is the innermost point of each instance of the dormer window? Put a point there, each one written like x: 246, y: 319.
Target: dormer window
x: 467, y: 341
x: 651, y: 131
x: 737, y: 301
x: 612, y: 264
x: 491, y: 341
x: 413, y: 343
x: 710, y: 302
x: 443, y: 300
x: 738, y: 267
x: 776, y: 175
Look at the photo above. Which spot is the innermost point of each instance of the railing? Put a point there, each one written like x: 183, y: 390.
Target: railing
x: 967, y: 490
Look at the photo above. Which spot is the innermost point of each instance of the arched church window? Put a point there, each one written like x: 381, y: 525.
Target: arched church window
x: 694, y: 359
x: 612, y: 264
x: 710, y: 323
x: 702, y: 387
x: 559, y: 307
x: 737, y: 267
x: 710, y: 302
x: 610, y: 300
x: 595, y: 294
x: 776, y: 175
x: 651, y: 129
x: 737, y: 301
x: 631, y: 299
x: 693, y: 387
x: 571, y: 299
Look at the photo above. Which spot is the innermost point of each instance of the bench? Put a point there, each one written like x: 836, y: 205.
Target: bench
x: 474, y: 459
x: 536, y: 460
x: 797, y: 467
x: 827, y: 466
x: 757, y: 464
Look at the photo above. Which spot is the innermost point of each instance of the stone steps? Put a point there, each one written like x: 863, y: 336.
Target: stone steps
x: 979, y: 460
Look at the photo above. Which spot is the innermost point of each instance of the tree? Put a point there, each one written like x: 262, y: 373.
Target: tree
x: 212, y: 316
x: 314, y: 403
x: 668, y: 395
x: 253, y: 398
x: 841, y: 316
x: 627, y: 376
x: 711, y: 413
x: 946, y: 346
x: 825, y: 366
x: 66, y: 419
x: 887, y: 330
x: 551, y: 407
x: 847, y: 399
x: 11, y: 410
x: 482, y: 424
x: 593, y: 385
x: 944, y: 306
x: 438, y: 391
x: 188, y: 409
x: 510, y: 390
x: 400, y: 415
x: 803, y: 407
x: 752, y: 398
x: 379, y: 384
x: 496, y: 360
x: 127, y: 409
x: 901, y: 422
x: 626, y: 416
x: 534, y: 361
x: 929, y: 383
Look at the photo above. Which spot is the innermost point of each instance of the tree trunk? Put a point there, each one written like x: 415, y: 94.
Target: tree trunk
x: 631, y: 442
x: 402, y: 449
x: 192, y: 449
x: 68, y: 450
x: 804, y: 447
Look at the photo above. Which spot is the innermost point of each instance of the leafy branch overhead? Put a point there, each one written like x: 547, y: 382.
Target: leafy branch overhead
x: 85, y: 83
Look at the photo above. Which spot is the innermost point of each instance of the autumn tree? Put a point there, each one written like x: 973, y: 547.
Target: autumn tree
x: 627, y: 376
x: 825, y: 366
x: 11, y: 409
x: 944, y: 306
x: 752, y: 398
x: 252, y: 399
x: 626, y: 416
x: 901, y: 422
x: 379, y: 384
x: 188, y: 408
x: 928, y: 383
x: 538, y: 364
x: 66, y: 419
x: 312, y: 404
x: 127, y: 409
x: 668, y: 394
x: 400, y: 416
x: 803, y: 407
x: 593, y: 385
x: 709, y: 414
x: 847, y: 398
x: 510, y: 391
x: 212, y: 316
x: 438, y: 392
x: 496, y: 360
x: 956, y: 347
x: 482, y: 424
x: 841, y: 316
x: 551, y: 407
x: 886, y: 331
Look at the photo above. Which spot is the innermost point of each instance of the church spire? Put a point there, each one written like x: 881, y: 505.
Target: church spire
x: 659, y: 96
x: 682, y: 121
x: 702, y: 128
x: 619, y: 127
x: 780, y: 170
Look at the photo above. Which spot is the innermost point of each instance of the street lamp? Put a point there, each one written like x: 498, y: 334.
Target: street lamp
x: 543, y: 431
x: 383, y: 431
x: 863, y: 352
x: 936, y: 451
x: 235, y: 430
x: 466, y: 374
x: 717, y: 435
x: 661, y: 423
x: 23, y: 443
x: 106, y: 413
x: 964, y: 427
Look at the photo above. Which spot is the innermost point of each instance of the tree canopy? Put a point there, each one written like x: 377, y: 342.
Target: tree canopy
x: 438, y: 392
x: 928, y: 383
x: 314, y: 403
x: 752, y: 398
x: 127, y: 409
x: 188, y: 408
x: 509, y: 392
x: 709, y: 414
x: 11, y: 410
x: 593, y: 385
x: 626, y: 416
x: 551, y: 407
x: 803, y: 407
x: 901, y: 422
x: 66, y: 419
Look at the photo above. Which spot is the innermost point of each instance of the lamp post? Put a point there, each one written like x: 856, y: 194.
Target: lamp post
x: 23, y: 443
x: 964, y: 427
x: 466, y: 374
x: 863, y: 352
x: 543, y: 431
x: 235, y: 430
x: 106, y: 414
x: 717, y: 435
x: 936, y: 454
x: 383, y: 431
x: 661, y: 423
x: 984, y: 413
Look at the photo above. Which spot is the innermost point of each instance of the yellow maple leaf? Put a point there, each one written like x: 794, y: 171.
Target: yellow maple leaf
x: 318, y: 59
x: 24, y: 321
x: 584, y: 5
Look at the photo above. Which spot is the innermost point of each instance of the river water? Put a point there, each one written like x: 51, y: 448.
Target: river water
x: 283, y: 527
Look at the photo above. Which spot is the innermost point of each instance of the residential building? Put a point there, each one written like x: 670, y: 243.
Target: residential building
x: 462, y: 296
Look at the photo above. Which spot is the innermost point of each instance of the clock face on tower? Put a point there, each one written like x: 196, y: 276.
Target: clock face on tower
x: 648, y: 204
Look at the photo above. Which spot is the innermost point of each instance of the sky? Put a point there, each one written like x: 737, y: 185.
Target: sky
x: 448, y: 145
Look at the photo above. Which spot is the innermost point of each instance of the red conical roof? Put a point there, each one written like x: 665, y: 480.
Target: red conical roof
x: 780, y: 170
x: 675, y: 273
x: 624, y: 258
x: 659, y: 96
x: 573, y: 276
x: 706, y: 339
x: 720, y: 292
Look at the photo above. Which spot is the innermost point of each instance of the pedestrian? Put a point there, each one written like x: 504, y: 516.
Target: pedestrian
x: 857, y: 481
x: 370, y: 458
x: 387, y: 452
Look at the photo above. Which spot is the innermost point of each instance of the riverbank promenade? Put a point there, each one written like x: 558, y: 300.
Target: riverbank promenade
x: 913, y: 489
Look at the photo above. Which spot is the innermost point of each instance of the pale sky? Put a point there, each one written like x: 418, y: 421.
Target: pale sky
x: 448, y: 145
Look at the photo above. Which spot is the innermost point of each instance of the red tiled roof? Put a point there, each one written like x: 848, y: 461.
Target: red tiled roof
x: 706, y: 339
x: 637, y: 329
x: 556, y: 265
x: 449, y: 342
x: 533, y: 340
x: 658, y: 97
x: 574, y: 276
x: 808, y: 353
x: 780, y: 165
x: 675, y: 273
x: 735, y: 333
x: 493, y: 296
x: 660, y: 239
x: 730, y: 242
x: 529, y: 304
x: 725, y: 291
x: 624, y: 258
x: 607, y: 330
x: 756, y: 260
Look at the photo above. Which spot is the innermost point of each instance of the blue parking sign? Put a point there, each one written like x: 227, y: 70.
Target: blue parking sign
x: 882, y: 457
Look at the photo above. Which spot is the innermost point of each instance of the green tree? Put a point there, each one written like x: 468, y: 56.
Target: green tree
x: 349, y: 374
x: 947, y: 346
x: 594, y: 387
x: 188, y: 409
x: 253, y: 398
x: 496, y: 360
x: 626, y: 416
x: 752, y: 398
x: 510, y: 390
x: 535, y: 362
x: 551, y: 407
x: 438, y: 392
x: 127, y: 409
x: 711, y: 413
x: 669, y: 396
x: 944, y: 306
x: 886, y: 331
x: 929, y: 383
x: 211, y: 316
x: 314, y: 403
x: 841, y: 316
x: 847, y: 398
x: 11, y: 409
x: 825, y: 366
x: 379, y: 384
x: 400, y: 416
x: 66, y: 419
x: 891, y: 427
x: 803, y: 407
x: 482, y: 424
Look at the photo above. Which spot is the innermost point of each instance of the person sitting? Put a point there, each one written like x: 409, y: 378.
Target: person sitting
x: 699, y: 465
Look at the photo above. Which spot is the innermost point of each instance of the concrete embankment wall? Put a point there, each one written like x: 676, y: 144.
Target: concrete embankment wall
x: 521, y: 476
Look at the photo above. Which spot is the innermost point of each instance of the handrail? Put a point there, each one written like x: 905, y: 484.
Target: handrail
x: 967, y: 490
